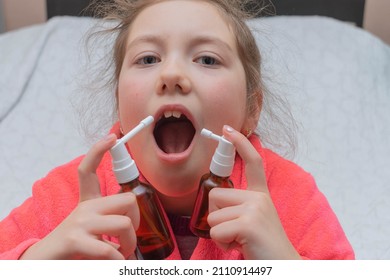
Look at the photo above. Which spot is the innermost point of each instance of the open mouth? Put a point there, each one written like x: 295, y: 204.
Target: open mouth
x: 173, y: 132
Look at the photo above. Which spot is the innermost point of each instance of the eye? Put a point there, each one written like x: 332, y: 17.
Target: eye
x: 147, y: 60
x: 208, y: 60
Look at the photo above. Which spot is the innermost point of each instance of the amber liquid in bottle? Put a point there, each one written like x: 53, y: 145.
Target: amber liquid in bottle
x: 198, y: 224
x: 154, y: 240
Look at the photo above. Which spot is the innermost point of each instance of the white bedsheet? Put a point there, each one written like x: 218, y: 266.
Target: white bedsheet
x: 336, y: 76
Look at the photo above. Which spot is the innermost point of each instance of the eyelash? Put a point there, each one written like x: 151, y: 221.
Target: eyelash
x: 202, y: 59
x: 142, y: 60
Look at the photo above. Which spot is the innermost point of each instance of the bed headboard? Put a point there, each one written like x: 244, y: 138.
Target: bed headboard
x: 345, y: 10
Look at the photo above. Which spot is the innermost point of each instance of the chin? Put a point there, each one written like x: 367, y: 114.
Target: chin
x: 176, y: 180
x: 176, y: 190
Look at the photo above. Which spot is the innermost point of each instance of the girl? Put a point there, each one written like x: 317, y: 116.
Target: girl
x: 191, y: 65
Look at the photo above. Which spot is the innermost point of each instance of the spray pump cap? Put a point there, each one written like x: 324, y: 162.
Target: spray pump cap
x: 223, y: 159
x: 123, y: 165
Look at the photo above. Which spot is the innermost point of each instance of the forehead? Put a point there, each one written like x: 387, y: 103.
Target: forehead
x: 178, y: 17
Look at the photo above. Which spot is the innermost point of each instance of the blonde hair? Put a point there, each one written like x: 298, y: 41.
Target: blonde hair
x: 236, y: 13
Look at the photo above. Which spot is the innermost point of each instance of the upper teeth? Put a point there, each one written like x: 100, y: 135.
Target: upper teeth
x: 175, y: 114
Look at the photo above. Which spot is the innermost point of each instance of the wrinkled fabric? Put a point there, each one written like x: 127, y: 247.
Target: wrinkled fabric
x: 305, y: 213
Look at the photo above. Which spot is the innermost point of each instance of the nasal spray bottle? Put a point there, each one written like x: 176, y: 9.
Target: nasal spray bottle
x: 220, y: 169
x: 154, y: 240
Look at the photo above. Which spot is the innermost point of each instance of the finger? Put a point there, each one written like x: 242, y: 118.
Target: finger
x: 225, y: 233
x: 95, y: 249
x: 125, y: 204
x: 88, y: 181
x: 130, y: 256
x: 224, y: 214
x: 254, y: 169
x: 118, y: 204
x: 220, y: 198
x: 121, y: 227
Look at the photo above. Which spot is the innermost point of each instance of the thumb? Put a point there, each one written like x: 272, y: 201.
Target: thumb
x: 88, y: 180
x: 254, y: 168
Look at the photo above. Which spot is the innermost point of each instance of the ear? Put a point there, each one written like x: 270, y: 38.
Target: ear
x: 118, y: 112
x: 117, y: 103
x: 253, y: 114
x: 250, y: 125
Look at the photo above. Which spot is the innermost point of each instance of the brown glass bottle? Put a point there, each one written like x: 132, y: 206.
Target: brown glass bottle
x: 198, y: 224
x: 154, y: 240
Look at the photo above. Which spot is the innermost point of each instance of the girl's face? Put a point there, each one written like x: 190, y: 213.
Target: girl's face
x: 182, y: 67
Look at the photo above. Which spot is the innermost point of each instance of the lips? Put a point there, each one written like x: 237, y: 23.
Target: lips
x: 174, y: 130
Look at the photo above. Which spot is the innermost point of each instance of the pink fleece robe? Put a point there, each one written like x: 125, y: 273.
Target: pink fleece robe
x: 306, y: 216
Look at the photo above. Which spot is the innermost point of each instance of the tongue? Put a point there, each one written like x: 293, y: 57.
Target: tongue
x: 175, y: 137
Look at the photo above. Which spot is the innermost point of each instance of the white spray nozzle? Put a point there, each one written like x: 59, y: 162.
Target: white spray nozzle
x: 144, y: 123
x: 207, y: 133
x: 223, y: 158
x: 123, y: 165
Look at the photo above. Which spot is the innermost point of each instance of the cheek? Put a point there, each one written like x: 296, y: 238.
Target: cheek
x: 227, y: 102
x: 131, y: 101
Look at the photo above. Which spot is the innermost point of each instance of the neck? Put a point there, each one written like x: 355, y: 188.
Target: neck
x: 181, y: 206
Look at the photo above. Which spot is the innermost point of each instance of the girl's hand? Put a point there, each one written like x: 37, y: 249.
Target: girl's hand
x: 79, y: 236
x: 247, y: 219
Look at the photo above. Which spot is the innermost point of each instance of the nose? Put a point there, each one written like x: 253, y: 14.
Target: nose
x: 173, y: 78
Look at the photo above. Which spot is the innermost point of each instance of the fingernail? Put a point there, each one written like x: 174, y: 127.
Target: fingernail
x: 229, y: 129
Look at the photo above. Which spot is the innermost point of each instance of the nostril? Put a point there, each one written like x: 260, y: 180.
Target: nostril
x: 171, y: 82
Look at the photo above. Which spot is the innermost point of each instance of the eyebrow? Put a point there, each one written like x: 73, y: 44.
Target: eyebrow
x: 198, y: 40
x: 144, y: 39
x: 205, y: 39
